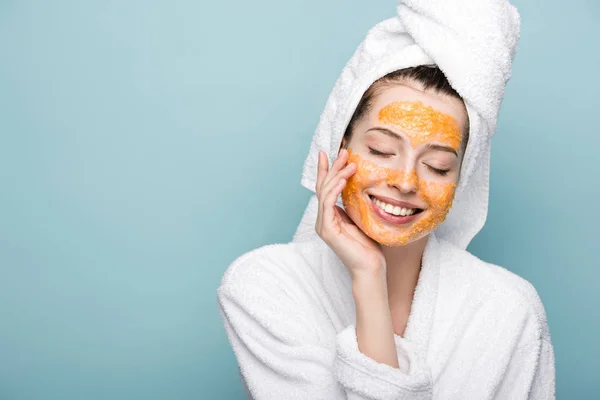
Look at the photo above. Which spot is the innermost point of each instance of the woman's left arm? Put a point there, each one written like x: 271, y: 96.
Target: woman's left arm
x: 530, y: 373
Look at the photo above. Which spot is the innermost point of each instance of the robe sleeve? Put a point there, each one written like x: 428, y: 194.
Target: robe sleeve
x: 530, y: 374
x: 282, y: 352
x: 365, y: 378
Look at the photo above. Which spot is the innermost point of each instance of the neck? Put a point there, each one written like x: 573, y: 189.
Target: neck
x: 402, y: 272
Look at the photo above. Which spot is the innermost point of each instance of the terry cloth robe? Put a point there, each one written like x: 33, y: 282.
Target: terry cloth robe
x: 475, y: 330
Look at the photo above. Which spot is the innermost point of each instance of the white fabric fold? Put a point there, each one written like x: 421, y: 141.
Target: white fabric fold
x: 363, y: 377
x: 474, y: 43
x: 475, y: 330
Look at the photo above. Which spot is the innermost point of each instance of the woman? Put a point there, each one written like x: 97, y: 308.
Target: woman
x: 378, y: 299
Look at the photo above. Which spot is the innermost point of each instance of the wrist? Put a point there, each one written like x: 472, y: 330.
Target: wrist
x: 368, y: 275
x: 369, y: 284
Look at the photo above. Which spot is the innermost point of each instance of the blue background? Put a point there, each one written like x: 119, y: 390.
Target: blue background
x: 144, y: 145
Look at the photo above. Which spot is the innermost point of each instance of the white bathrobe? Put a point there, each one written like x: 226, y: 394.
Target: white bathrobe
x: 475, y: 330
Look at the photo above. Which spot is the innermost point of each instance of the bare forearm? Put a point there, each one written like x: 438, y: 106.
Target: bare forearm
x: 374, y: 330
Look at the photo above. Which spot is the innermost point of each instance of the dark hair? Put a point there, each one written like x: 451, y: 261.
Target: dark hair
x: 429, y: 76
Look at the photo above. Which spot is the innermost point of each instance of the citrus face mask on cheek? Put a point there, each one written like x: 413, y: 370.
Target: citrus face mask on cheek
x: 437, y: 196
x: 421, y: 123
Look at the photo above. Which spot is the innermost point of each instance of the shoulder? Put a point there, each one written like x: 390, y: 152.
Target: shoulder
x: 511, y: 296
x: 289, y: 275
x: 275, y: 264
x: 274, y: 286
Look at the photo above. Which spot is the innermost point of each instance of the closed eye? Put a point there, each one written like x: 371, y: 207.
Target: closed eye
x: 379, y: 153
x: 442, y: 172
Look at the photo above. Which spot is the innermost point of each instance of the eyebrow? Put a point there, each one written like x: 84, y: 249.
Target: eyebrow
x: 386, y: 132
x: 430, y: 146
x: 439, y: 147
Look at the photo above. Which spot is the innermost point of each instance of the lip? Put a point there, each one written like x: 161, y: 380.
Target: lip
x: 394, y: 219
x: 393, y: 202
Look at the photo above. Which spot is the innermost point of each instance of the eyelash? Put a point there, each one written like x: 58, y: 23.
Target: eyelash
x: 441, y: 172
x: 378, y: 153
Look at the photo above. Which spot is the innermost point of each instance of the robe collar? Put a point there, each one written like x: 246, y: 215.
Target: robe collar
x: 422, y: 310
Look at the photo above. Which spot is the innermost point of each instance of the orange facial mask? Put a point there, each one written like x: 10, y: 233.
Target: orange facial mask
x: 421, y: 123
x: 437, y: 196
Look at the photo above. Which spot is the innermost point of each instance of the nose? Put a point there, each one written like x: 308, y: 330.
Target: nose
x: 407, y: 181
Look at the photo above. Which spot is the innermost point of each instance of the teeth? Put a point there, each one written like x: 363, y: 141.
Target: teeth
x: 390, y: 209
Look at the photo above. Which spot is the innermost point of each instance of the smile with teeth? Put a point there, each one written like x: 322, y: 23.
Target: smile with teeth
x: 394, y: 210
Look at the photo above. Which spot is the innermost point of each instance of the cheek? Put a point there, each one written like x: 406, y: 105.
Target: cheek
x: 367, y: 175
x: 355, y: 201
x: 438, y: 197
x: 437, y: 194
x: 352, y: 193
x: 355, y: 205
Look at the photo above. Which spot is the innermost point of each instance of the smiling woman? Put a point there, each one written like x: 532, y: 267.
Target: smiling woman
x: 377, y: 297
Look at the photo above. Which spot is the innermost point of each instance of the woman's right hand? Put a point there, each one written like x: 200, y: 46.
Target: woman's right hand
x: 359, y: 253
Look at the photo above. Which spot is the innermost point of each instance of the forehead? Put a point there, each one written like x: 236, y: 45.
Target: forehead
x: 412, y: 93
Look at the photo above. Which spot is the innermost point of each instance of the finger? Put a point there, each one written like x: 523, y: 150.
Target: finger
x: 322, y: 167
x: 329, y: 199
x: 331, y: 191
x: 339, y: 162
x: 345, y: 173
x: 337, y: 165
x: 330, y: 194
